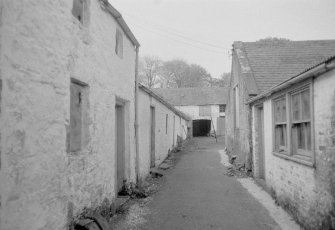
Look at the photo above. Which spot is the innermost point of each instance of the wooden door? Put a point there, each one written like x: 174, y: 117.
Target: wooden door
x: 152, y: 136
x: 120, y: 144
x: 220, y: 126
x: 260, y: 139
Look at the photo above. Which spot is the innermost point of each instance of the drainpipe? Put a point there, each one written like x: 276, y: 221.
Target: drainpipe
x: 137, y: 162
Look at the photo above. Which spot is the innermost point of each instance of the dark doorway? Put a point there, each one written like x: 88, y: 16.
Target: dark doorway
x: 152, y: 136
x: 201, y: 127
x: 120, y: 139
x: 260, y: 139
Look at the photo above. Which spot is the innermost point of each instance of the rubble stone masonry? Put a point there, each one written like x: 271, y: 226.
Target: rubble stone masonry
x: 307, y: 192
x: 42, y: 186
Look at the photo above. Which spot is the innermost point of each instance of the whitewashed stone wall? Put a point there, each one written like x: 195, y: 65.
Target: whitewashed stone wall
x: 307, y: 192
x: 163, y: 140
x: 42, y: 47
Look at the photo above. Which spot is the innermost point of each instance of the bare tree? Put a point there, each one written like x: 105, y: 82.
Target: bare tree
x: 179, y: 74
x: 175, y: 72
x: 274, y: 39
x: 223, y: 81
x: 150, y: 71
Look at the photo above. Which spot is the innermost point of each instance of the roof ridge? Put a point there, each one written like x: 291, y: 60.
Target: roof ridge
x: 288, y: 41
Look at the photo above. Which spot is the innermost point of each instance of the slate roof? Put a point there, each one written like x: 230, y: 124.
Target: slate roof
x: 272, y: 62
x: 164, y: 102
x: 317, y: 70
x: 194, y: 96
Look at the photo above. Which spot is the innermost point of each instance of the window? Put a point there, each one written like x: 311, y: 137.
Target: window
x: 166, y: 123
x: 78, y: 116
x: 205, y: 110
x: 301, y: 122
x: 119, y: 43
x: 293, y: 123
x: 222, y: 108
x: 280, y: 123
x: 78, y: 10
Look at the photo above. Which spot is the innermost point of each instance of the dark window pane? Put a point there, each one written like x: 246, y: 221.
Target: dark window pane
x: 279, y: 104
x: 284, y: 135
x: 294, y: 134
x: 301, y: 136
x: 77, y: 10
x: 283, y: 110
x: 296, y: 107
x: 306, y: 114
x: 277, y: 136
x: 308, y: 135
x: 280, y: 136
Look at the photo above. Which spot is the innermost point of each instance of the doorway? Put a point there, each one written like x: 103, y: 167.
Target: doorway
x: 152, y: 136
x: 120, y: 146
x: 174, y: 129
x: 201, y: 127
x: 220, y: 126
x: 260, y: 142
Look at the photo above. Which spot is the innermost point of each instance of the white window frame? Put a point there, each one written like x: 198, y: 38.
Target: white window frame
x: 289, y: 154
x: 224, y: 108
x: 281, y: 148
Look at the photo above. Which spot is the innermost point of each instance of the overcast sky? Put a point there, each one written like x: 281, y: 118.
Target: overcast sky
x: 203, y: 31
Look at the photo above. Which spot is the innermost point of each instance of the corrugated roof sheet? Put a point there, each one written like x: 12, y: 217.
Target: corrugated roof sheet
x: 194, y: 96
x: 272, y: 62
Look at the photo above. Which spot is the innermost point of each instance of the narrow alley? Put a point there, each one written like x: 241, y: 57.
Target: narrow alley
x: 197, y: 194
x: 110, y: 110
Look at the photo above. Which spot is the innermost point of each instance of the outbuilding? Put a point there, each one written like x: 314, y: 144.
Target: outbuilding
x: 293, y: 143
x: 162, y: 128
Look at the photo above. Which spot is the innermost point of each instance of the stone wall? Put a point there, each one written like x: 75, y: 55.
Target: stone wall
x: 42, y: 47
x: 238, y: 133
x: 307, y: 192
x: 164, y: 141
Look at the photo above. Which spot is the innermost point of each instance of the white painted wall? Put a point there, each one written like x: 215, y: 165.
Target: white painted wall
x: 43, y: 186
x: 193, y: 112
x: 163, y: 141
x: 308, y: 189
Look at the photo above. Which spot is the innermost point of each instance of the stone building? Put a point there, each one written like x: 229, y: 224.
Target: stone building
x: 293, y: 127
x: 161, y: 128
x: 256, y: 67
x: 67, y: 110
x: 206, y: 106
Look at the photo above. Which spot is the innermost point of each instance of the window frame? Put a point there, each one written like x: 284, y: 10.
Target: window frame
x: 119, y: 43
x: 84, y: 118
x: 289, y: 154
x: 222, y: 106
x: 83, y: 21
x: 282, y: 148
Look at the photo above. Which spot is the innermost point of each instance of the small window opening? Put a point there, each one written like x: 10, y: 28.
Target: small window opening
x: 78, y: 131
x: 78, y: 10
x: 222, y: 108
x: 119, y: 43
